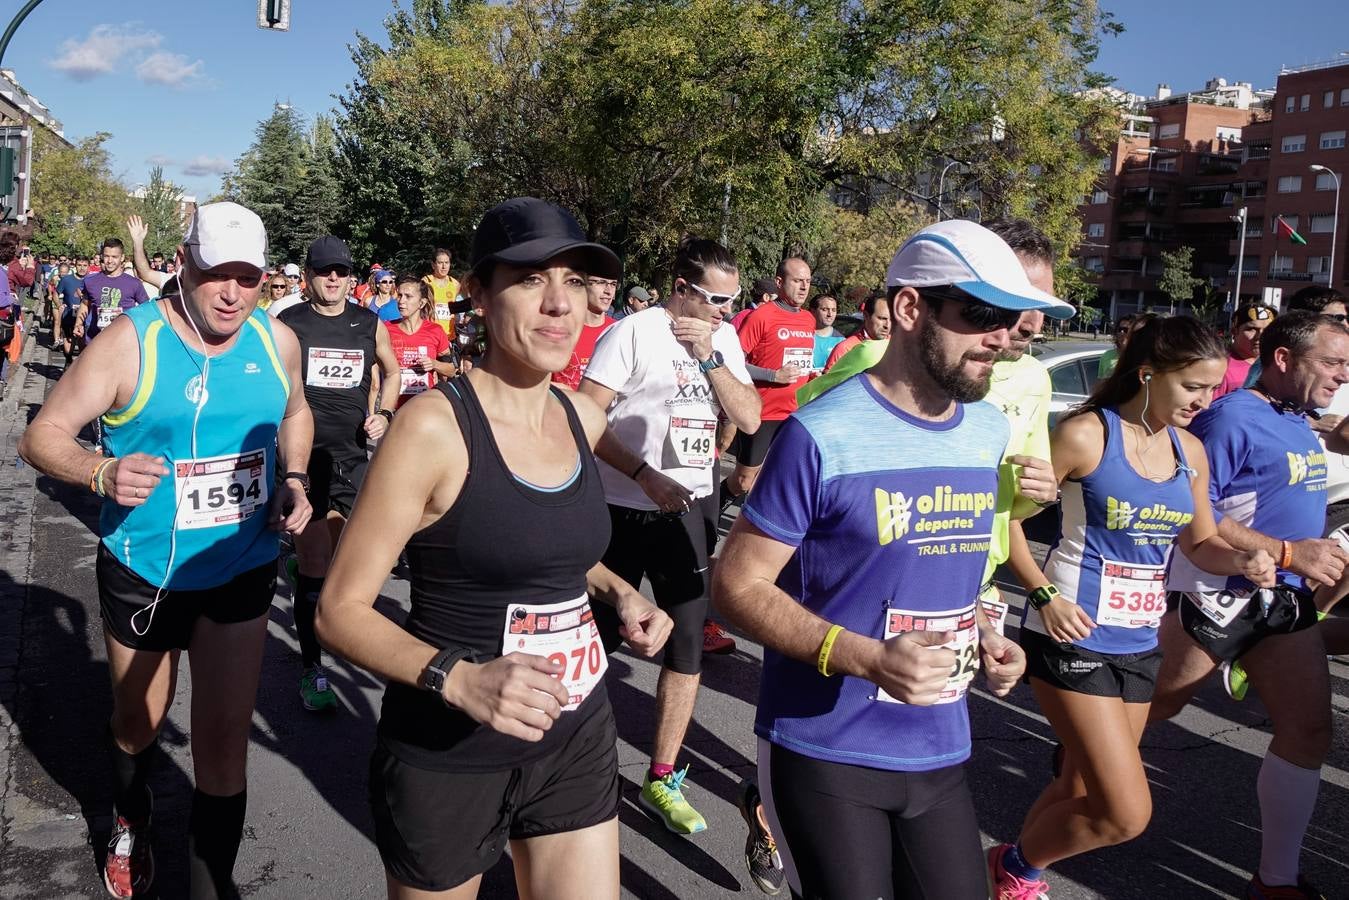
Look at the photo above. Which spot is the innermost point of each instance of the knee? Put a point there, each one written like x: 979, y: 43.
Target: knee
x: 1306, y: 745
x: 220, y: 762
x: 1123, y: 821
x: 1165, y: 706
x: 135, y: 726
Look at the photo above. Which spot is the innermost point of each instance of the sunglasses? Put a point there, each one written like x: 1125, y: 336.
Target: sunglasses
x: 279, y: 287
x: 385, y: 281
x: 602, y: 282
x: 715, y: 299
x: 976, y: 313
x: 340, y: 271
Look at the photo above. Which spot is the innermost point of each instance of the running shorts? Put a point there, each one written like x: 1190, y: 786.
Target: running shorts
x: 1233, y: 625
x: 335, y: 477
x: 1130, y: 676
x: 750, y: 449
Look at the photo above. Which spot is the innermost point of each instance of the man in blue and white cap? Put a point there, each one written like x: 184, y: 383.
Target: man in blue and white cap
x: 884, y: 489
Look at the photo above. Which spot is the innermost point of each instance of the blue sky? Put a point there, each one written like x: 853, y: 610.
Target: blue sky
x: 184, y: 83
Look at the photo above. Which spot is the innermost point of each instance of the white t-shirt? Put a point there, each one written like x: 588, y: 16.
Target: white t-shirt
x: 285, y: 303
x: 665, y: 410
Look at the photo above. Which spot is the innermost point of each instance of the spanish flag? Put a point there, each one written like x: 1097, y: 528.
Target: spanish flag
x: 1285, y: 230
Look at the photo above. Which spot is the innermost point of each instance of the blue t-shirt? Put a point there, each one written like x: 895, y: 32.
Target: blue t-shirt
x: 1267, y: 471
x: 823, y: 347
x: 68, y: 288
x: 891, y: 517
x: 388, y: 312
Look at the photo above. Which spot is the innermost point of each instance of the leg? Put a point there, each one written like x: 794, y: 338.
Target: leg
x: 398, y: 891
x: 936, y: 843
x: 1185, y: 665
x: 571, y: 865
x: 1335, y: 634
x: 143, y: 685
x: 676, y: 695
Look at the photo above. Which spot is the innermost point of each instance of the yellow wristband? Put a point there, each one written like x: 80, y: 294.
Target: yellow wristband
x: 823, y: 663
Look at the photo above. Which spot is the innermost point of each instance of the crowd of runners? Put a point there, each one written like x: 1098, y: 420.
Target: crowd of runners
x: 529, y: 444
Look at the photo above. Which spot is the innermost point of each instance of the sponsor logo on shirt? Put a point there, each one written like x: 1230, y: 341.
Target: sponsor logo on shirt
x: 1309, y: 466
x: 785, y: 333
x: 691, y: 386
x: 251, y: 368
x: 1120, y: 514
x: 938, y: 512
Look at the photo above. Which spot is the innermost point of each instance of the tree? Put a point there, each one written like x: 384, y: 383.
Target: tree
x: 77, y: 201
x: 1178, y: 281
x: 269, y: 178
x: 160, y: 210
x: 857, y: 247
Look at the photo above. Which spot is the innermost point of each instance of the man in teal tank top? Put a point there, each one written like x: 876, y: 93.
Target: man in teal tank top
x: 201, y: 410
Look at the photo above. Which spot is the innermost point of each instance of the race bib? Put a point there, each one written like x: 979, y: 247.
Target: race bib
x: 1132, y: 596
x: 106, y: 314
x: 566, y: 634
x: 693, y: 442
x: 410, y: 382
x: 219, y: 490
x: 995, y: 610
x: 442, y: 312
x: 801, y: 357
x: 335, y: 368
x: 1220, y: 606
x: 961, y: 622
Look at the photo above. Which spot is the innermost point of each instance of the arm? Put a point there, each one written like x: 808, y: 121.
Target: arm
x: 738, y: 400
x: 294, y: 438
x: 1201, y: 541
x: 1337, y: 441
x: 645, y: 626
x: 138, y: 230
x: 375, y: 425
x: 664, y: 491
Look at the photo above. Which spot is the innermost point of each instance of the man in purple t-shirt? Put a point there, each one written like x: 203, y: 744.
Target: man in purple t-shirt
x: 106, y: 294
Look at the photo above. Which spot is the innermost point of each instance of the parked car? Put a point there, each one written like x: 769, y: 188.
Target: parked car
x: 1072, y: 372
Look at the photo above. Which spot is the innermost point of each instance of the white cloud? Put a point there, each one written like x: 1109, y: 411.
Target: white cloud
x: 103, y: 51
x: 169, y: 69
x: 202, y: 166
x: 159, y: 159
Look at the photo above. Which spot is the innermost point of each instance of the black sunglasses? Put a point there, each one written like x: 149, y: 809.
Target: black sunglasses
x: 974, y: 312
x: 342, y: 271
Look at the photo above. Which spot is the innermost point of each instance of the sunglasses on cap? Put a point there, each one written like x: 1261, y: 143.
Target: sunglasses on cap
x: 712, y: 299
x: 974, y: 312
x: 384, y: 281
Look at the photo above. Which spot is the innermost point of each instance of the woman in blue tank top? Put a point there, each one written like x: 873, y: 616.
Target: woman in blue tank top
x: 1134, y: 485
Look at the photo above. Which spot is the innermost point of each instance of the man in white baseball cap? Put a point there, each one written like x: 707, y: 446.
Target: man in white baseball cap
x: 884, y: 489
x: 189, y: 525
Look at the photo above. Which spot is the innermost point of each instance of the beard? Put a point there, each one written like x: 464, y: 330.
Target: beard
x: 950, y: 377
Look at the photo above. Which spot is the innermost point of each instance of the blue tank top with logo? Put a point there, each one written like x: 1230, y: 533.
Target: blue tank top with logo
x: 1115, y: 543
x: 216, y: 496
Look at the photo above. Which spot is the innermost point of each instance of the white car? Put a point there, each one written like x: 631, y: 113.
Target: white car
x: 1072, y: 372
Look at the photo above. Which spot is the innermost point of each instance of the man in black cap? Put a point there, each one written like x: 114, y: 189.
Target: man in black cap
x: 340, y: 343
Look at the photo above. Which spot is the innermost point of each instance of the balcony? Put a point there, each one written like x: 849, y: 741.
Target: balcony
x: 1288, y: 275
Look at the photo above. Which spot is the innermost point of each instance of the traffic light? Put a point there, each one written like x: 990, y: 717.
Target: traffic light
x: 274, y: 15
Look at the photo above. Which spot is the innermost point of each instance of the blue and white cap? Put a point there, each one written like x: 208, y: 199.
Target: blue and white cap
x: 968, y: 256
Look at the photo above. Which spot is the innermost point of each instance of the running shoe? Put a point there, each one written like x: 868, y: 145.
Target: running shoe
x: 315, y: 692
x: 664, y: 797
x: 1234, y: 680
x: 1303, y: 890
x: 1007, y: 886
x: 715, y: 638
x: 129, y: 869
x: 761, y: 851
x: 292, y: 567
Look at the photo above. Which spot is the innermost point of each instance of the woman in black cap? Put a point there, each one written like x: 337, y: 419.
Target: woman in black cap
x: 496, y: 726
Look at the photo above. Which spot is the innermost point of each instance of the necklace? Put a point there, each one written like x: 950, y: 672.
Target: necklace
x: 1142, y: 450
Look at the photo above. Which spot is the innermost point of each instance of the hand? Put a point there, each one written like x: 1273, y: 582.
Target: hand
x: 291, y: 510
x: 1036, y: 481
x: 425, y: 364
x: 465, y: 365
x: 1259, y: 567
x: 137, y: 228
x: 519, y: 694
x: 129, y: 481
x: 669, y: 495
x: 645, y: 626
x: 375, y: 426
x: 79, y: 328
x: 1004, y: 662
x: 694, y: 334
x: 914, y: 667
x: 787, y: 374
x: 1066, y: 621
x: 1326, y: 424
x: 1321, y: 560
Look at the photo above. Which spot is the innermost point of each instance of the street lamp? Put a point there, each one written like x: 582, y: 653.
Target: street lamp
x: 941, y: 185
x: 1335, y: 221
x: 1240, y: 219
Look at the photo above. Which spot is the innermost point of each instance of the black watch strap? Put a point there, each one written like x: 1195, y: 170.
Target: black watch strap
x: 438, y: 669
x: 302, y: 477
x: 387, y: 414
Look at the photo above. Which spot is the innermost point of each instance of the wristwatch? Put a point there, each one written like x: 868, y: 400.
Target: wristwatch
x: 1041, y: 596
x: 302, y: 477
x: 438, y: 669
x: 388, y: 416
x: 715, y: 361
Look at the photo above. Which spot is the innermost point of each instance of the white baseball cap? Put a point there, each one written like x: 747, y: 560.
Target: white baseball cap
x: 226, y: 232
x: 968, y: 256
x: 291, y: 269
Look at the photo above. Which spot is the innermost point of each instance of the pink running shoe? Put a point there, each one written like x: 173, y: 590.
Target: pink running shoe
x: 1007, y: 886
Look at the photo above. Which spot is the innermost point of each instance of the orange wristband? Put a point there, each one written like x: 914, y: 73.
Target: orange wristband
x: 1286, y: 559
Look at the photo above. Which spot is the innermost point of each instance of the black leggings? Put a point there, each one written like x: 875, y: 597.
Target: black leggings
x: 850, y: 832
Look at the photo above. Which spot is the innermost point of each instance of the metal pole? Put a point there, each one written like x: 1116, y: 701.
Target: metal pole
x: 1241, y: 256
x: 1334, y: 228
x: 14, y: 26
x: 941, y: 185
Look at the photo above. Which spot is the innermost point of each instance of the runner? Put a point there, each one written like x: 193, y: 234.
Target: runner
x: 779, y: 343
x: 884, y: 489
x: 496, y: 724
x: 1268, y: 488
x: 664, y: 375
x: 600, y: 296
x: 107, y: 294
x: 637, y: 299
x: 875, y: 327
x: 444, y: 290
x: 67, y: 292
x: 277, y: 287
x: 827, y: 337
x: 1313, y: 298
x: 187, y: 559
x: 1106, y: 364
x: 419, y: 344
x: 340, y: 345
x: 384, y: 302
x: 765, y: 290
x: 1134, y: 484
x: 1247, y: 324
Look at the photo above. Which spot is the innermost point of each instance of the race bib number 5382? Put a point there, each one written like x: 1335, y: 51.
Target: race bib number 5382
x: 564, y: 633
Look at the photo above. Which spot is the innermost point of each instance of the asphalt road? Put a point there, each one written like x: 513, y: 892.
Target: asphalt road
x: 308, y: 831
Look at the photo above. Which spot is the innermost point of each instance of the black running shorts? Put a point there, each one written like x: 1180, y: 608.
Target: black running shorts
x: 749, y: 449
x: 1130, y: 676
x: 335, y: 477
x: 436, y: 830
x: 1283, y: 610
x: 123, y: 594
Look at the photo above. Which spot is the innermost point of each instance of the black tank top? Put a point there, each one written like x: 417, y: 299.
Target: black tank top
x: 502, y: 541
x: 336, y: 357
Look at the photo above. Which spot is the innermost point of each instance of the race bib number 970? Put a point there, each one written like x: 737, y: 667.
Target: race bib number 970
x: 564, y: 633
x: 335, y: 368
x: 962, y: 623
x: 220, y: 490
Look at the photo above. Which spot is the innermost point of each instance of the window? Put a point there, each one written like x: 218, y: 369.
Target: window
x: 1166, y: 165
x: 1281, y: 263
x: 1332, y: 140
x: 1229, y: 133
x: 1305, y: 103
x: 1330, y: 99
x: 1100, y: 197
x: 1169, y: 131
x: 1317, y: 264
x: 1344, y: 97
x: 1104, y: 165
x: 1096, y: 229
x: 1323, y: 224
x: 1294, y: 143
x: 1274, y: 222
x: 1288, y: 104
x: 1067, y: 378
x: 1325, y: 181
x: 1094, y: 264
x: 1290, y: 184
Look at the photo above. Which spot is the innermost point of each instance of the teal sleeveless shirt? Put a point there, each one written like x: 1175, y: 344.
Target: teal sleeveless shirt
x: 211, y: 510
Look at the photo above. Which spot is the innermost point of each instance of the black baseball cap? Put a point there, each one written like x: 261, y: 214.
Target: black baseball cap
x: 328, y: 251
x: 528, y: 231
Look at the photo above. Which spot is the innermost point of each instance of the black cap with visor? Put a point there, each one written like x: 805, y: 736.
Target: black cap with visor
x: 527, y: 231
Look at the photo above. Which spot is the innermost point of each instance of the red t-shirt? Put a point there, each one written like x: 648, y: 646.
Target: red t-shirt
x: 1235, y: 377
x: 580, y: 356
x: 429, y: 340
x: 772, y: 337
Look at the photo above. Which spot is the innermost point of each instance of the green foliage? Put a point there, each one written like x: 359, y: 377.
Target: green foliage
x: 856, y: 248
x: 1177, y: 280
x: 77, y: 200
x: 159, y: 210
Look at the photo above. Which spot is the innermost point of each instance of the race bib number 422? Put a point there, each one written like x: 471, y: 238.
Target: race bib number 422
x: 220, y: 490
x: 335, y: 368
x: 564, y: 633
x: 962, y: 623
